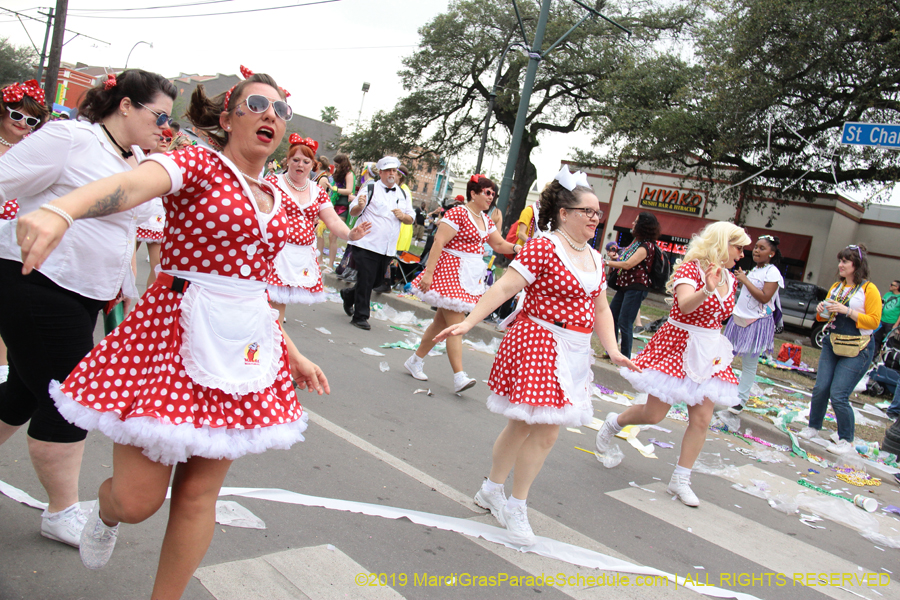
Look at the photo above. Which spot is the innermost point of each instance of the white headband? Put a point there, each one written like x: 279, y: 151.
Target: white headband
x: 570, y: 180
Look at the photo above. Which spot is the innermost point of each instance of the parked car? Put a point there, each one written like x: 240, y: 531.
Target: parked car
x: 798, y: 303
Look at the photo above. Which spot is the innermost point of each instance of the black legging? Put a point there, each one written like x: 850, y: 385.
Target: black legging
x: 47, y: 330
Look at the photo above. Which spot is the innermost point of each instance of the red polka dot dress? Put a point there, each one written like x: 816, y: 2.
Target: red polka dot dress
x: 140, y: 386
x: 151, y: 230
x: 459, y: 277
x: 662, y: 359
x: 296, y: 278
x: 539, y: 376
x: 9, y: 210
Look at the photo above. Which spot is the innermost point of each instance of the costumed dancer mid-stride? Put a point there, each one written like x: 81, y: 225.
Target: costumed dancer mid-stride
x: 542, y: 375
x: 688, y: 359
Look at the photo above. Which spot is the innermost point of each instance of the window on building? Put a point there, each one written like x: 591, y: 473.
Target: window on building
x: 425, y: 188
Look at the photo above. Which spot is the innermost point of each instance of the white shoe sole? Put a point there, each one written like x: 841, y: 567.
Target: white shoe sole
x: 681, y: 499
x: 485, y: 505
x: 50, y: 536
x: 515, y: 537
x: 467, y: 386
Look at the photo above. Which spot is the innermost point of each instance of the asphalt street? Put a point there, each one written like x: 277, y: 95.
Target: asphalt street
x: 375, y: 441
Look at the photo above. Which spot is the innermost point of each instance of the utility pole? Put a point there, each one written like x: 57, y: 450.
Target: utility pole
x: 59, y: 31
x: 40, y: 69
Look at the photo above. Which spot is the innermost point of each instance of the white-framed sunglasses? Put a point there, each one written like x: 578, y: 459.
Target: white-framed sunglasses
x: 17, y: 116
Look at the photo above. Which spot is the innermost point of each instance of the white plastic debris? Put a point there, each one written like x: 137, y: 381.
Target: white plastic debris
x: 323, y: 331
x: 612, y: 457
x: 229, y: 512
x: 371, y: 352
x: 384, y: 366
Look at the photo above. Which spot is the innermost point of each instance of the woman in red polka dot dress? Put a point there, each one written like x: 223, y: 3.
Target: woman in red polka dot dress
x: 688, y: 359
x: 295, y: 278
x: 200, y: 372
x: 454, y: 278
x: 542, y: 374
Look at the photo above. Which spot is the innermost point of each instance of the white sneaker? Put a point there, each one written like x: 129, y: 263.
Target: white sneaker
x: 516, y: 522
x: 680, y: 487
x: 462, y: 382
x: 414, y: 365
x: 64, y: 526
x: 843, y: 447
x: 606, y: 433
x: 97, y: 540
x: 492, y: 501
x: 808, y: 433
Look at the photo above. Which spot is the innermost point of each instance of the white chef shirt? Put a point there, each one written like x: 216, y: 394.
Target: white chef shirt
x: 385, y: 226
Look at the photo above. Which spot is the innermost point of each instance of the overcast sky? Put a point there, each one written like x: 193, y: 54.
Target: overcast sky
x: 322, y: 53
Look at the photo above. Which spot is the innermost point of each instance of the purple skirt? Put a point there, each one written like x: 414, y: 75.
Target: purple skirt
x: 756, y: 338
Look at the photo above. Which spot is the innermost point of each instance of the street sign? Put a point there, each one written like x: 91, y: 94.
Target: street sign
x: 871, y: 134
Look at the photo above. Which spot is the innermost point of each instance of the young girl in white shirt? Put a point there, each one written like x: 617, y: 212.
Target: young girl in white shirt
x: 751, y: 328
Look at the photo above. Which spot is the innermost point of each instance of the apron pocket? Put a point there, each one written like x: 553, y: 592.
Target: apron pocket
x: 297, y: 266
x: 471, y: 275
x: 706, y: 355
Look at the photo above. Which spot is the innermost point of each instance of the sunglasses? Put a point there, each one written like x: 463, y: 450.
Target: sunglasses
x: 589, y: 212
x: 488, y: 192
x: 17, y: 116
x: 161, y: 118
x: 857, y: 248
x: 260, y: 104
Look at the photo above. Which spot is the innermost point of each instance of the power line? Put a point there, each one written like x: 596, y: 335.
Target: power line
x: 148, y: 7
x: 234, y: 12
x: 41, y: 21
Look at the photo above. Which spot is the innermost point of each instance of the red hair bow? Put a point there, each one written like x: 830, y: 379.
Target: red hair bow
x: 17, y: 91
x: 247, y: 73
x: 297, y: 140
x: 110, y: 82
x: 476, y: 178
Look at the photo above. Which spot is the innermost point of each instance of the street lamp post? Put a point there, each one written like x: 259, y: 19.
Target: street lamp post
x: 132, y: 50
x: 365, y: 88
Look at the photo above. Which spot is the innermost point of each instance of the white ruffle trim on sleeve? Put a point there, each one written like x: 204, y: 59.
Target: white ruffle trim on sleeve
x: 294, y: 295
x: 673, y: 390
x: 168, y: 443
x: 569, y: 415
x: 434, y: 299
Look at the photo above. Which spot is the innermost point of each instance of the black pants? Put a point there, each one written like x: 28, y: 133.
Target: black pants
x: 47, y: 330
x: 370, y: 268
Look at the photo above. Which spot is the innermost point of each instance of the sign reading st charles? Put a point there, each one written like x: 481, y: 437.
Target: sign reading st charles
x: 679, y: 200
x: 871, y: 134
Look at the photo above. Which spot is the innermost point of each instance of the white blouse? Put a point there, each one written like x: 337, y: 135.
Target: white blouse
x: 94, y: 255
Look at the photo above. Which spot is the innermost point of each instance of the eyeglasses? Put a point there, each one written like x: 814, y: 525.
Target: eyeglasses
x: 488, y: 192
x: 857, y: 248
x: 260, y: 104
x: 590, y: 213
x: 161, y: 118
x: 17, y: 116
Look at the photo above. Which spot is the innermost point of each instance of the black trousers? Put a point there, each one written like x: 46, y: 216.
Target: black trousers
x: 47, y: 330
x: 370, y: 268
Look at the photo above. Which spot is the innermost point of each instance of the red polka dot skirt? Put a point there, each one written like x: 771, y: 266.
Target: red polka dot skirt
x: 9, y: 210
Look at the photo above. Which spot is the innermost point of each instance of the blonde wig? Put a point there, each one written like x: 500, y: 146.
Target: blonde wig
x: 710, y: 246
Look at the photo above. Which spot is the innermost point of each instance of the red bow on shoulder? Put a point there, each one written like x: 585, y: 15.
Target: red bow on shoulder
x: 297, y: 140
x: 17, y: 91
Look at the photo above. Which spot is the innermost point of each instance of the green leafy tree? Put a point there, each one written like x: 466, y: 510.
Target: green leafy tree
x: 17, y: 63
x: 450, y: 77
x: 767, y: 88
x: 329, y: 114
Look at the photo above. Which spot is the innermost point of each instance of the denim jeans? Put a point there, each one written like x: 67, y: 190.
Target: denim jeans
x: 625, y: 306
x: 894, y: 409
x: 837, y: 377
x: 749, y: 365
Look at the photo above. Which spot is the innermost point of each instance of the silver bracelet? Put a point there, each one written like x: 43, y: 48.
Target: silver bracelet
x: 59, y: 212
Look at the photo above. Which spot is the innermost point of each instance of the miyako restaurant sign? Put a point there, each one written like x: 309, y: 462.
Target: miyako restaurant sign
x: 679, y: 200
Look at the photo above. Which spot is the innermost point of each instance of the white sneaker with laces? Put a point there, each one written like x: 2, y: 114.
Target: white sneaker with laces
x: 64, y: 526
x: 843, y: 447
x: 680, y: 487
x: 97, y: 540
x: 414, y: 365
x: 516, y: 522
x: 462, y: 382
x: 606, y: 433
x: 493, y: 501
x: 808, y: 433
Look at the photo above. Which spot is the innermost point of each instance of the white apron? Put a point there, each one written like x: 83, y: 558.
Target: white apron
x: 707, y: 352
x: 231, y: 340
x: 574, y: 357
x: 297, y: 266
x: 471, y: 271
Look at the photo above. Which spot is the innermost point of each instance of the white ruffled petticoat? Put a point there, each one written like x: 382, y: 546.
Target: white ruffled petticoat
x: 434, y: 299
x: 673, y: 390
x: 294, y: 295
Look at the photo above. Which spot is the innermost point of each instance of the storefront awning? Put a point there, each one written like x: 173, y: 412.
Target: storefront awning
x: 679, y: 229
x: 673, y: 228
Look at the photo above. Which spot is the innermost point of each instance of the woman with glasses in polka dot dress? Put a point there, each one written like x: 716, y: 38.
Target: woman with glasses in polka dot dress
x: 200, y: 372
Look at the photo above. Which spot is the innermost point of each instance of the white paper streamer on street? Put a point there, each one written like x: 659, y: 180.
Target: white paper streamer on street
x: 20, y: 496
x: 544, y: 546
x: 229, y: 512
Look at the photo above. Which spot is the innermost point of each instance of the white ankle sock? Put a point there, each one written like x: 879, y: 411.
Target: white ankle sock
x: 490, y: 486
x: 679, y: 470
x: 415, y: 358
x: 614, y: 425
x: 514, y: 502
